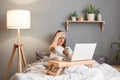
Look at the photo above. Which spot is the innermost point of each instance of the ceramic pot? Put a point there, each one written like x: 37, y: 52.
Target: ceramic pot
x: 99, y: 17
x: 73, y: 18
x: 90, y: 17
x: 80, y: 18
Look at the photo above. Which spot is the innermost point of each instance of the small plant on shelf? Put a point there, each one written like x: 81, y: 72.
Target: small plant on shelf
x: 91, y: 11
x: 74, y: 16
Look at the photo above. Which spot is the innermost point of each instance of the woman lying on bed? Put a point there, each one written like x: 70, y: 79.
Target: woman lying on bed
x: 58, y: 46
x: 37, y: 70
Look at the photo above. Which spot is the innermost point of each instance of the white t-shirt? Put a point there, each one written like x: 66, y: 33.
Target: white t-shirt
x: 59, y: 52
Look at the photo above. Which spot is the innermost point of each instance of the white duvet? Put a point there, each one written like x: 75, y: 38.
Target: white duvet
x: 37, y: 70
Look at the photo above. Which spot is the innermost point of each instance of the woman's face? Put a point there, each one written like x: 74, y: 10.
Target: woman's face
x: 62, y: 38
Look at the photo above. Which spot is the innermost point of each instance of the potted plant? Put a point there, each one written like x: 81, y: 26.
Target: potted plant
x: 117, y: 55
x: 91, y: 11
x: 74, y: 16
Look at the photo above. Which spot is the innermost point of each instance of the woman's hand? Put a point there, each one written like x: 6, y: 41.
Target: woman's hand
x: 65, y: 52
x: 58, y: 35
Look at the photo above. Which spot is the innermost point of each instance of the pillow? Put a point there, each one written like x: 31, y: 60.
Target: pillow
x: 100, y: 59
x: 41, y: 55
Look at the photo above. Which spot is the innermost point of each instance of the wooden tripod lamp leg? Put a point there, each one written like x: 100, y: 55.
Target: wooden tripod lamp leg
x: 10, y: 62
x: 19, y: 67
x: 23, y: 56
x: 20, y: 55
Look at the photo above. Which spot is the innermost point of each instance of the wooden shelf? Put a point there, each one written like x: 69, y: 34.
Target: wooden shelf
x: 100, y: 22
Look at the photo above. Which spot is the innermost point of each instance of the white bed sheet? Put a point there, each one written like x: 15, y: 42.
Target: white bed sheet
x: 37, y: 70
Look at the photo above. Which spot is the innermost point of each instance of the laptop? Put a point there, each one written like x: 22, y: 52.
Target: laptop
x: 83, y: 51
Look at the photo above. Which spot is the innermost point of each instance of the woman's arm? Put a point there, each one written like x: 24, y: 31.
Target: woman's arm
x: 55, y: 41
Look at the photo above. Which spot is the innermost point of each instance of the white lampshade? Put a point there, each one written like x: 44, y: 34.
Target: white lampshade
x: 18, y: 19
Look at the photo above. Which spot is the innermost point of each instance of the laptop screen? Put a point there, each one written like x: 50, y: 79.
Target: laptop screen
x: 83, y: 51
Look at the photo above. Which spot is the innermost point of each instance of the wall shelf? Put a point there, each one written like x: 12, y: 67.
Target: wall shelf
x: 102, y: 23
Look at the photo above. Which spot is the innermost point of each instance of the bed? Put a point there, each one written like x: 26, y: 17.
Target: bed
x: 37, y: 71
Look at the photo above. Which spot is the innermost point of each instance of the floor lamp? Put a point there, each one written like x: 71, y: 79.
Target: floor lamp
x: 17, y: 19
